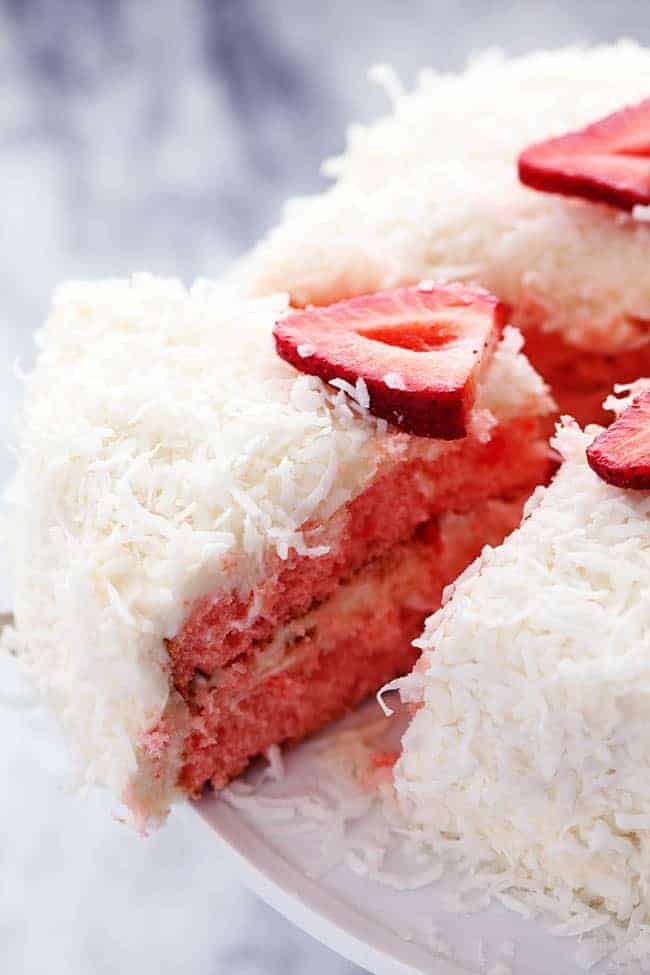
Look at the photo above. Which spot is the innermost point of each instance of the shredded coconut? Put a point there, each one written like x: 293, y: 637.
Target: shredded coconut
x: 394, y: 381
x: 431, y: 190
x: 530, y: 757
x: 624, y: 394
x: 276, y: 763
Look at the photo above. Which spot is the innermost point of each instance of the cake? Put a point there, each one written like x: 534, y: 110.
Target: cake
x: 432, y: 191
x: 236, y: 504
x: 215, y: 552
x: 528, y: 758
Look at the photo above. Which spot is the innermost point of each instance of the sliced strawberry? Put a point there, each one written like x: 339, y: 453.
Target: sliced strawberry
x: 620, y: 455
x: 419, y: 351
x: 608, y: 162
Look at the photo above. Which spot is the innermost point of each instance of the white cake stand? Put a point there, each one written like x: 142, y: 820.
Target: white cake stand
x: 385, y: 931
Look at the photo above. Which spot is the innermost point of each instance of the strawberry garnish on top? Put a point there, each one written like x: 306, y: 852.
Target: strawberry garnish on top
x: 620, y: 454
x: 419, y: 351
x: 608, y: 162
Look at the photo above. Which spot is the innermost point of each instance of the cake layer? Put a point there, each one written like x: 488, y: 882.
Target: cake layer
x: 432, y: 478
x: 326, y: 661
x: 431, y: 191
x: 363, y: 601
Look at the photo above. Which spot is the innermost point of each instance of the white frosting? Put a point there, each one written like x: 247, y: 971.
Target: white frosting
x: 529, y: 759
x: 431, y: 191
x: 165, y: 447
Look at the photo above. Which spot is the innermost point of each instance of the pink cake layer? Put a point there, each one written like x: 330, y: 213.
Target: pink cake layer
x: 343, y: 656
x: 215, y: 657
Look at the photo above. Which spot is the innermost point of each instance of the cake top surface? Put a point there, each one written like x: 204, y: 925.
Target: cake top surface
x: 165, y: 448
x: 532, y: 743
x: 431, y: 190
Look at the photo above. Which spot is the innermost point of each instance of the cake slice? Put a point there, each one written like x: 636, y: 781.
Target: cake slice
x: 215, y: 552
x: 432, y: 191
x: 528, y: 758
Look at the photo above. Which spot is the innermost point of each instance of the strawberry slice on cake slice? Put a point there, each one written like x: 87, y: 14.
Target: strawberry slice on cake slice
x: 419, y: 351
x: 608, y: 161
x: 229, y: 553
x: 621, y: 454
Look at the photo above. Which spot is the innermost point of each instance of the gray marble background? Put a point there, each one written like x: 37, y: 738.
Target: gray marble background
x: 164, y: 136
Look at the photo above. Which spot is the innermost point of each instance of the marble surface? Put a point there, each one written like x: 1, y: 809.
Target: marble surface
x: 164, y: 136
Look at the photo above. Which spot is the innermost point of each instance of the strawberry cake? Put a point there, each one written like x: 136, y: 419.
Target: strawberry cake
x: 232, y: 530
x: 528, y: 758
x: 510, y: 175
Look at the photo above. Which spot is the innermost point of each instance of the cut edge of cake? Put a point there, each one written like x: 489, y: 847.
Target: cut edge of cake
x: 187, y: 456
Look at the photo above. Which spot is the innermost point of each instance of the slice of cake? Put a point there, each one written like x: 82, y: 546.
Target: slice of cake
x: 529, y: 757
x: 432, y: 191
x: 215, y: 552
